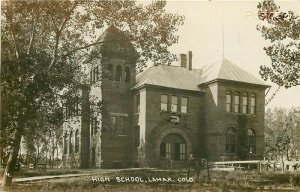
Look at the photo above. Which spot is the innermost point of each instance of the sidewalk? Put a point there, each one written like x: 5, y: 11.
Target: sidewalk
x: 85, y: 172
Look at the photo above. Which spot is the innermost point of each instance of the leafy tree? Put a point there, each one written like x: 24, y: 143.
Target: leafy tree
x: 283, y: 30
x: 44, y: 44
x: 281, y: 137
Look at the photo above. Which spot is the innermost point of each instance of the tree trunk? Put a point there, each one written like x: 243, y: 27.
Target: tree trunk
x: 12, y: 160
x: 1, y: 155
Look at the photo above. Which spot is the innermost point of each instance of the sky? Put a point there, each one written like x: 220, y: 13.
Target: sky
x: 243, y: 45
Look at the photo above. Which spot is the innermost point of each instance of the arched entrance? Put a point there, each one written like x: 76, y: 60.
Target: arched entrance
x: 174, y: 147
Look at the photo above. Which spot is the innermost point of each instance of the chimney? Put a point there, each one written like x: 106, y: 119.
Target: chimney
x: 182, y: 60
x: 189, y: 60
x: 185, y: 60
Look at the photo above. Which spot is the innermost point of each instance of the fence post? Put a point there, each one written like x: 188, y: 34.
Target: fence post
x: 207, y: 165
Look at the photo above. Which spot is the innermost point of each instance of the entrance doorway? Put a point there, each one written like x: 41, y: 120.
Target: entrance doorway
x: 173, y: 147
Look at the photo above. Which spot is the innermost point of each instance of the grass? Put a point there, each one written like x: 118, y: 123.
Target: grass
x: 220, y: 181
x: 32, y: 173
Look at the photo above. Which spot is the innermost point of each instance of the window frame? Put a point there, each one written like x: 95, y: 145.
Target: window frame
x: 237, y: 102
x: 245, y: 103
x: 77, y: 141
x: 182, y: 151
x: 251, y: 141
x: 164, y: 104
x: 119, y: 73
x: 228, y: 101
x: 114, y: 125
x: 181, y: 105
x: 231, y: 140
x: 66, y: 141
x: 174, y: 106
x: 71, y: 142
x: 252, y: 104
x: 127, y: 74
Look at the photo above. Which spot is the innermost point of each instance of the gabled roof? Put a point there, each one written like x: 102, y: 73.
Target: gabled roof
x: 181, y: 78
x: 169, y: 76
x: 225, y: 70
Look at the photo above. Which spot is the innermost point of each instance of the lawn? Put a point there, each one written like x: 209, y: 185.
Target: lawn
x: 156, y: 180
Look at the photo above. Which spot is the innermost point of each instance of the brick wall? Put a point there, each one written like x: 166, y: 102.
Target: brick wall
x: 156, y: 124
x: 217, y: 120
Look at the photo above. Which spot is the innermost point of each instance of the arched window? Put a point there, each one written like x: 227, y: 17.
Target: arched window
x: 65, y: 143
x: 71, y: 142
x: 118, y: 73
x: 237, y: 102
x: 253, y: 104
x: 245, y: 103
x: 250, y: 141
x: 228, y: 101
x: 127, y: 74
x: 231, y: 140
x: 77, y: 141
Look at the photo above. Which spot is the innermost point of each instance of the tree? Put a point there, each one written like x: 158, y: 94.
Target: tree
x: 281, y: 137
x: 283, y: 30
x: 44, y: 44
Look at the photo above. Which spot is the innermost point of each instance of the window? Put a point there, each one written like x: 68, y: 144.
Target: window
x: 110, y: 70
x: 230, y: 140
x: 127, y: 74
x: 164, y: 102
x: 65, y: 143
x: 237, y: 102
x: 228, y: 101
x: 113, y: 125
x: 168, y: 150
x: 250, y: 141
x: 121, y: 126
x: 253, y: 104
x: 184, y: 102
x: 137, y: 103
x: 71, y: 142
x: 119, y: 73
x: 77, y: 141
x: 245, y: 103
x: 163, y: 150
x: 182, y: 151
x: 174, y: 103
